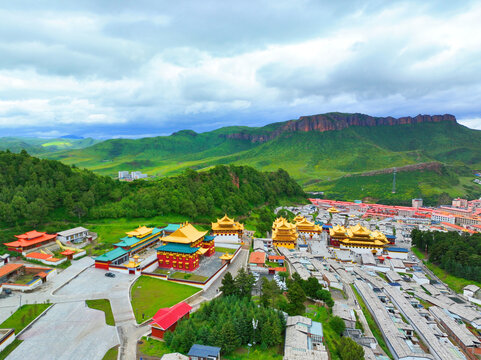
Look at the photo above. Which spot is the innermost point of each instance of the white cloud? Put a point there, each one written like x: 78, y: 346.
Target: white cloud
x: 91, y: 67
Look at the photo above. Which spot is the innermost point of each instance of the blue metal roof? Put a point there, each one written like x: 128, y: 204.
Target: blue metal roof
x: 171, y: 227
x: 204, y: 351
x: 327, y: 226
x: 397, y: 249
x: 111, y: 255
x: 391, y: 236
x: 208, y: 238
x: 316, y: 328
x: 178, y: 248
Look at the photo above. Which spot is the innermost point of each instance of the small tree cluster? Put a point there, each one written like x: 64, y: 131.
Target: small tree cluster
x: 240, y: 286
x: 227, y: 322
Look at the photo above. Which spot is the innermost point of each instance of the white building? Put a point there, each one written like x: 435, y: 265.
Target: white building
x: 420, y: 278
x: 74, y: 236
x: 473, y: 293
x: 443, y: 217
x: 417, y: 203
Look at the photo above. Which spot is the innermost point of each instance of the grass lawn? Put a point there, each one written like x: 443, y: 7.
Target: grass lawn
x: 24, y: 279
x: 224, y: 250
x: 24, y: 316
x: 103, y: 305
x: 4, y: 354
x: 372, y: 324
x: 153, y: 347
x: 187, y: 276
x: 149, y: 295
x: 111, y: 230
x: 322, y: 315
x: 161, y: 271
x: 112, y: 354
x: 273, y: 353
x: 418, y: 253
x: 455, y: 283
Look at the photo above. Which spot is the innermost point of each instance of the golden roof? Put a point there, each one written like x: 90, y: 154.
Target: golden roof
x: 337, y: 230
x: 282, y: 224
x: 333, y: 210
x: 202, y: 251
x: 299, y: 218
x: 186, y: 234
x: 226, y: 223
x: 358, y: 230
x: 141, y: 231
x: 284, y: 235
x: 379, y: 236
x: 226, y: 256
x: 305, y: 224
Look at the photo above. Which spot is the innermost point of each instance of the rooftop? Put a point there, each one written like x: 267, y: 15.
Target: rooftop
x: 73, y: 231
x: 178, y: 248
x: 9, y: 268
x: 204, y: 351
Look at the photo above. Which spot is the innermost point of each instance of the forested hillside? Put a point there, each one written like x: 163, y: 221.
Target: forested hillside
x: 35, y: 191
x: 459, y: 255
x: 316, y: 151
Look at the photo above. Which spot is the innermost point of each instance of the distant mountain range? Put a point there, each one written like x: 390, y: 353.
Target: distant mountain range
x: 38, y: 146
x: 319, y: 151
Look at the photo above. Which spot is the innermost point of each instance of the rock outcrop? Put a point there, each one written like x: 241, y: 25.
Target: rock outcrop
x: 338, y: 121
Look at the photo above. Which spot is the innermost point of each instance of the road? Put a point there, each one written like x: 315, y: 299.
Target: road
x: 80, y: 282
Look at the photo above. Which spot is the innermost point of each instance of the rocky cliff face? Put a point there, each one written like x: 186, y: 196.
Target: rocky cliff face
x: 337, y: 121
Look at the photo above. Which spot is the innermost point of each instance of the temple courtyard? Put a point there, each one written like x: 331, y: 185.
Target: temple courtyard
x: 69, y: 331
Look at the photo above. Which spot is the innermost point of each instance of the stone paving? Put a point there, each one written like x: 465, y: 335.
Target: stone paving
x: 67, y: 331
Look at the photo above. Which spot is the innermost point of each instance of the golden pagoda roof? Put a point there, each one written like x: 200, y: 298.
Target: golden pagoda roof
x: 299, y: 218
x: 337, y: 230
x: 282, y: 224
x: 358, y: 230
x: 333, y: 210
x: 202, y: 251
x: 226, y: 256
x: 140, y: 232
x: 305, y: 224
x: 227, y: 223
x: 284, y: 235
x: 379, y: 236
x: 186, y: 234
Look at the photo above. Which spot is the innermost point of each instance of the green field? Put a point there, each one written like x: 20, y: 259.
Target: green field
x: 24, y: 316
x: 188, y: 276
x: 256, y: 352
x: 224, y: 250
x: 112, y: 354
x: 149, y: 295
x: 153, y: 347
x: 103, y: 305
x: 4, y: 354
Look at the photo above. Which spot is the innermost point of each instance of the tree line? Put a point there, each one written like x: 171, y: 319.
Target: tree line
x: 458, y: 254
x: 34, y: 191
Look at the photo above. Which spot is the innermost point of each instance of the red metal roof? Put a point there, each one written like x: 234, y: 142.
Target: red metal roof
x: 30, y: 238
x: 9, y: 268
x: 67, y: 252
x: 276, y: 257
x: 257, y: 257
x: 279, y: 269
x: 166, y: 317
x: 38, y: 256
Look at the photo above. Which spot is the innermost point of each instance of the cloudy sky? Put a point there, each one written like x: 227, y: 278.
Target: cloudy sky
x: 141, y: 68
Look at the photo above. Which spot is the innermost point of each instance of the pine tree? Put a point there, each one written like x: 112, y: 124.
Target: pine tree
x: 228, y: 285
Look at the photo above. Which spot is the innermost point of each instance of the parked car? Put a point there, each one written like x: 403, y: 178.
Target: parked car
x: 109, y: 274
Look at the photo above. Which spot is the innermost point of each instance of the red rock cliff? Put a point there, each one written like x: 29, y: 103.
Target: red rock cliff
x: 337, y: 121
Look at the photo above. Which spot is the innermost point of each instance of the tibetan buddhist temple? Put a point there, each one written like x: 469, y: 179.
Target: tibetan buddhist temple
x: 361, y: 240
x: 336, y: 234
x: 284, y: 233
x: 183, y: 248
x: 333, y: 210
x: 307, y: 227
x: 134, y: 242
x: 227, y: 226
x: 30, y: 240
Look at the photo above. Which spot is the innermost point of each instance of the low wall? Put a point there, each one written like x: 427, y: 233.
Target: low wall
x: 79, y: 254
x: 23, y: 287
x: 7, y: 339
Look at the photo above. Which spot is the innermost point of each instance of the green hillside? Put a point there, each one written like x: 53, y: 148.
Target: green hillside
x: 315, y: 159
x: 38, y: 191
x: 38, y: 146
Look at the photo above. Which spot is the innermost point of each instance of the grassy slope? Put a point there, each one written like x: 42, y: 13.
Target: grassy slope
x: 23, y: 316
x: 314, y: 159
x: 149, y: 295
x: 37, y: 146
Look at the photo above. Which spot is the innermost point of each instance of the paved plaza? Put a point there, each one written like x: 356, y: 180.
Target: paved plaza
x: 69, y: 331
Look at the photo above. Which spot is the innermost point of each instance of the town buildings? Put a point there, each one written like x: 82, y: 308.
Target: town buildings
x: 73, y: 236
x: 304, y: 340
x: 134, y: 175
